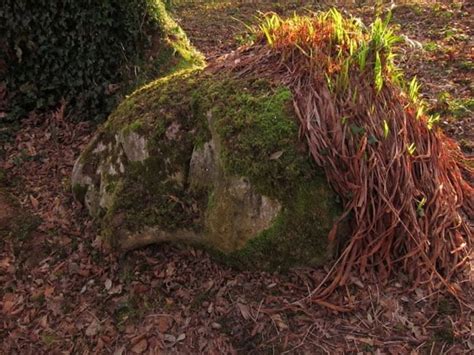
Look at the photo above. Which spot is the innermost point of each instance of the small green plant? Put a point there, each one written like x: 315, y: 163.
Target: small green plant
x: 465, y: 65
x: 378, y: 72
x: 382, y: 40
x: 457, y: 108
x: 362, y: 56
x: 461, y: 107
x: 349, y: 39
x: 48, y: 338
x: 432, y: 121
x: 414, y: 89
x: 386, y: 129
x: 431, y: 47
x: 420, y: 207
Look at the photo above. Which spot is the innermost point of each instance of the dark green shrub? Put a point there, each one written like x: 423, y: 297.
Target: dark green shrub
x: 76, y: 50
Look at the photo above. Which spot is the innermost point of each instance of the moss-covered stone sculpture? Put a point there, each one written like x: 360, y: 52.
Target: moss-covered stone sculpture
x: 212, y: 160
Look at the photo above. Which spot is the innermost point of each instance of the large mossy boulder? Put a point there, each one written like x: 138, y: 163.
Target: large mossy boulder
x: 212, y: 160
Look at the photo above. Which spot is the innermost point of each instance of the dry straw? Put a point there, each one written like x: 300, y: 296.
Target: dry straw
x: 406, y: 186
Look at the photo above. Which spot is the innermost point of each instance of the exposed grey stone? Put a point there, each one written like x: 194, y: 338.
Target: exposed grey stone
x: 134, y: 146
x: 203, y: 167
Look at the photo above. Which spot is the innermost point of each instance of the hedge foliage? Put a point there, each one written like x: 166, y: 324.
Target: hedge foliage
x: 77, y: 50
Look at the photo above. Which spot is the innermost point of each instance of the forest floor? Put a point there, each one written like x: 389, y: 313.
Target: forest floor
x: 62, y: 292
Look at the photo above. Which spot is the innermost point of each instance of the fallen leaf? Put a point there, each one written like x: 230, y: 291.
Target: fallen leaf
x: 43, y: 322
x: 369, y: 318
x: 170, y: 270
x: 140, y: 347
x: 93, y: 328
x: 169, y: 338
x: 9, y: 300
x: 5, y: 263
x: 48, y: 291
x: 34, y: 202
x: 164, y: 324
x: 116, y: 290
x: 257, y: 329
x: 120, y: 350
x: 279, y: 322
x: 276, y: 155
x: 244, y: 310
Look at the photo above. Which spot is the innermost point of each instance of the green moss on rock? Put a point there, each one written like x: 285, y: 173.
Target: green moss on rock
x: 265, y: 206
x: 298, y: 235
x: 259, y: 136
x: 154, y: 192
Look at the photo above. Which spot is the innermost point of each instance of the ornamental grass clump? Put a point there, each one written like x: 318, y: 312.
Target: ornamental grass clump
x: 404, y: 184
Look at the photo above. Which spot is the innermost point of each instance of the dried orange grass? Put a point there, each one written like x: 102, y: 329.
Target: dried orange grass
x: 404, y: 185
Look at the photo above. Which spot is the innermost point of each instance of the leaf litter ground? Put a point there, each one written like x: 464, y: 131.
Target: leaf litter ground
x: 63, y: 293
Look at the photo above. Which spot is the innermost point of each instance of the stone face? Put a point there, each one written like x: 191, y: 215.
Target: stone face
x: 212, y: 161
